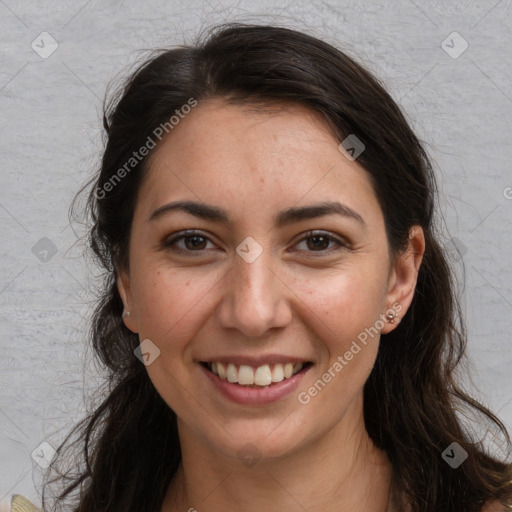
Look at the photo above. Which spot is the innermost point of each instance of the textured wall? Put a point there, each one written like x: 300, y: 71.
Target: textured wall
x: 457, y: 96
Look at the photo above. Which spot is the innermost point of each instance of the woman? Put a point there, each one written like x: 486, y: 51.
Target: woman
x: 278, y: 319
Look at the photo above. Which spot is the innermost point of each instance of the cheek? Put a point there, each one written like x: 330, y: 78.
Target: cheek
x: 171, y: 307
x: 344, y: 310
x: 345, y: 314
x: 170, y: 299
x: 345, y: 301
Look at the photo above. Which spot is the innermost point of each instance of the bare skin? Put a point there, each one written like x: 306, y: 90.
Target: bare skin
x: 297, y: 298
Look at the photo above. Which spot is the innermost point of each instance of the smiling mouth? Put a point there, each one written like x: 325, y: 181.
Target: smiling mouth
x: 249, y: 376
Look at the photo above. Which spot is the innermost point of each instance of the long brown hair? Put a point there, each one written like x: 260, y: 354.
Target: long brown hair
x: 129, y: 444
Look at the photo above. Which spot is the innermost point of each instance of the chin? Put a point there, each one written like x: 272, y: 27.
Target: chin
x: 251, y: 444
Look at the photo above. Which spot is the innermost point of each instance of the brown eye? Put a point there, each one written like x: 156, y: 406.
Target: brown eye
x: 318, y: 242
x: 194, y: 242
x: 321, y: 243
x: 188, y: 243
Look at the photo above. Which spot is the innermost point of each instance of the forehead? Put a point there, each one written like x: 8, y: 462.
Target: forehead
x: 244, y: 155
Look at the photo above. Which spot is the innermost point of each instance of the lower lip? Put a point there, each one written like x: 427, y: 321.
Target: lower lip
x: 255, y: 396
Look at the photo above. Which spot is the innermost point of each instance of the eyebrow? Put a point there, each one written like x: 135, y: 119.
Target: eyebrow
x: 283, y: 218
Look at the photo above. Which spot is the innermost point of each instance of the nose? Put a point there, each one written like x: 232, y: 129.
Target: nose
x: 255, y: 298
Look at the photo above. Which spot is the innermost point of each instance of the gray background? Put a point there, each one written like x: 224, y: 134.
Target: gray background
x: 51, y: 141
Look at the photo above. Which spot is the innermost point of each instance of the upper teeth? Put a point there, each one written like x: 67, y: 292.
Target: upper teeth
x: 261, y: 376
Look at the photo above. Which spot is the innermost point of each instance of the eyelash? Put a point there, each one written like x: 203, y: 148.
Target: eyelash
x: 171, y: 244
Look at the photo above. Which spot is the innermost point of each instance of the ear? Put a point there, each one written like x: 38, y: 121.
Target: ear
x: 403, y: 277
x: 124, y: 288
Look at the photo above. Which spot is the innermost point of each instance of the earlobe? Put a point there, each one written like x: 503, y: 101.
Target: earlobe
x: 124, y: 289
x: 404, y: 278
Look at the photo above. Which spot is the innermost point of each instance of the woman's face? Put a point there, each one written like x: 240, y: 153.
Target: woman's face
x: 255, y: 277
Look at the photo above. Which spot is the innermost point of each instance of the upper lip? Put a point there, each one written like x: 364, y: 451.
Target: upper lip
x: 255, y: 361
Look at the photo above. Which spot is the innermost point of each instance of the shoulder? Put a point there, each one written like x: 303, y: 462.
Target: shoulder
x: 493, y: 506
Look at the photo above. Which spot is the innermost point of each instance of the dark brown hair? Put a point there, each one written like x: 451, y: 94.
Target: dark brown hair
x: 130, y: 444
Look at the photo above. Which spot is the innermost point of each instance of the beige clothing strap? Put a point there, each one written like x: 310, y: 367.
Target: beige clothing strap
x: 21, y: 504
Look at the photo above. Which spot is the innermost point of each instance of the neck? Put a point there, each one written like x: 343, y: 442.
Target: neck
x: 343, y: 471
